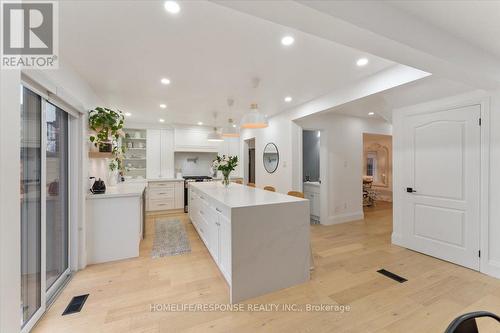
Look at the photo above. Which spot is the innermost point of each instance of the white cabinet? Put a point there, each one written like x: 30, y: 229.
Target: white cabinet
x: 231, y: 147
x: 214, y: 228
x: 224, y: 243
x: 194, y: 139
x: 312, y: 193
x: 160, y: 153
x: 165, y: 195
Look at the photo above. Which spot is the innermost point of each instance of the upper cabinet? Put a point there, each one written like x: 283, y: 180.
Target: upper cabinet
x: 160, y: 153
x: 231, y: 147
x: 194, y: 139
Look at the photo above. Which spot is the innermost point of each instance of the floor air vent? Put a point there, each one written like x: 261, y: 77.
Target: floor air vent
x: 76, y: 304
x: 391, y: 275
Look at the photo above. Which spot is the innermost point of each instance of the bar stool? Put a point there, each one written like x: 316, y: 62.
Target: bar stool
x: 269, y: 188
x: 251, y: 184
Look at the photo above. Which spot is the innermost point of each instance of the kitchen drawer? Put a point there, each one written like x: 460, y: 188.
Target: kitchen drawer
x: 163, y: 204
x: 161, y: 193
x: 155, y: 185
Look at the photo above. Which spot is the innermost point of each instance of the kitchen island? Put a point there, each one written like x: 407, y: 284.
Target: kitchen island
x: 258, y: 239
x: 115, y: 223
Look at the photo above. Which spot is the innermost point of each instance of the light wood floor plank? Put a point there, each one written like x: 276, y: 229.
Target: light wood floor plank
x: 347, y: 257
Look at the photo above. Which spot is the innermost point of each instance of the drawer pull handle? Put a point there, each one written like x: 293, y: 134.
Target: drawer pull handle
x: 217, y: 209
x: 202, y: 197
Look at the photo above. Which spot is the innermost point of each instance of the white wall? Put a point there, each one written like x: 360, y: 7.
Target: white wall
x: 491, y: 261
x: 281, y: 133
x: 342, y: 139
x: 10, y: 238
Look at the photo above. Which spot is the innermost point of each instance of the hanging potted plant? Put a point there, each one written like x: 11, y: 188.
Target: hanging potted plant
x: 107, y: 127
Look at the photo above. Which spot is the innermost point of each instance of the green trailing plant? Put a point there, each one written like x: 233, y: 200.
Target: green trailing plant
x: 107, y: 127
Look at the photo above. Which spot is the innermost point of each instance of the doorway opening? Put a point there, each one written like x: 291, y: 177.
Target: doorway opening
x: 250, y: 165
x: 311, y: 143
x: 377, y: 173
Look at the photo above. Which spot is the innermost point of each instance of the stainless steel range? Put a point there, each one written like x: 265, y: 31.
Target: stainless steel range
x: 187, y: 180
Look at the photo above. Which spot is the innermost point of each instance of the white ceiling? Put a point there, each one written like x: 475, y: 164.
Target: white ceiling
x: 477, y: 22
x: 210, y: 52
x: 420, y: 91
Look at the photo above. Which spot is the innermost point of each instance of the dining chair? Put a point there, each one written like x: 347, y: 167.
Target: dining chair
x: 269, y: 188
x: 251, y: 184
x: 466, y: 323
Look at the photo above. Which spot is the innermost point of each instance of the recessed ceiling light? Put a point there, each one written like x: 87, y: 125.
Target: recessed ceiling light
x: 371, y: 113
x: 234, y: 125
x: 163, y: 106
x: 161, y: 120
x: 128, y: 114
x: 165, y: 81
x: 172, y: 7
x: 288, y: 99
x: 200, y: 123
x: 287, y: 40
x: 362, y: 62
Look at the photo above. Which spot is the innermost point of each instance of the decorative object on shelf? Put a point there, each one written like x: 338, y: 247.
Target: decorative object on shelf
x: 231, y: 130
x: 271, y: 157
x: 107, y: 125
x: 225, y: 164
x: 254, y: 118
x: 215, y: 135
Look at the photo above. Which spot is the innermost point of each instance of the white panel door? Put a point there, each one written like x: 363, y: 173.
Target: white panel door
x: 442, y: 180
x: 153, y: 153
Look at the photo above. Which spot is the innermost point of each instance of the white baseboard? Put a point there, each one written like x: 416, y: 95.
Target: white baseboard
x: 343, y: 218
x: 397, y: 239
x: 491, y: 268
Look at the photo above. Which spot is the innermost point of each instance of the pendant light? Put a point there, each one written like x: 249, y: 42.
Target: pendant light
x: 231, y: 130
x: 215, y: 136
x: 253, y: 118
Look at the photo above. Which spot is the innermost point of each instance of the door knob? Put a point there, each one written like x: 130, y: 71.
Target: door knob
x: 410, y: 190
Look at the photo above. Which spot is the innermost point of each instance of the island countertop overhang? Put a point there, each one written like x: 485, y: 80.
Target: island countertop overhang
x: 239, y: 196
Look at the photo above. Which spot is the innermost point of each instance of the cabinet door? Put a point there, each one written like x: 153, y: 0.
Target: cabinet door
x: 167, y: 153
x: 224, y: 227
x: 316, y: 205
x: 179, y: 195
x: 194, y: 139
x: 153, y: 153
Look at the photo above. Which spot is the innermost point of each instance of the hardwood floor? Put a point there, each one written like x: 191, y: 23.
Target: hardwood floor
x: 347, y: 257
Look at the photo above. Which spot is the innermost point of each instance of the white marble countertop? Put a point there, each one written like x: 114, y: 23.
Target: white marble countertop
x: 146, y: 180
x: 165, y: 179
x: 134, y: 189
x: 312, y: 183
x: 237, y: 195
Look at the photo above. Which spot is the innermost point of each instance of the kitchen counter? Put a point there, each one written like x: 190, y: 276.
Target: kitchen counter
x: 237, y: 195
x: 115, y: 223
x: 134, y: 189
x: 258, y: 239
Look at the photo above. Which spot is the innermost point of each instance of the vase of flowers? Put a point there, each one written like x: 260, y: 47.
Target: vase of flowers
x: 225, y: 164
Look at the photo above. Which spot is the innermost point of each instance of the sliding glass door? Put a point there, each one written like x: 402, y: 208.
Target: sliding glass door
x: 57, y: 225
x: 31, y: 199
x: 44, y: 203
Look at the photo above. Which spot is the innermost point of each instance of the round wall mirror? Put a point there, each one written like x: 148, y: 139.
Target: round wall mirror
x: 271, y: 157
